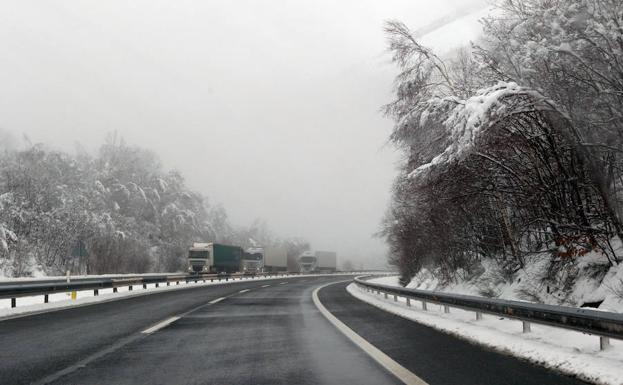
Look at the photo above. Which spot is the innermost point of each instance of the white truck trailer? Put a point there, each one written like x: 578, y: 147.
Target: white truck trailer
x: 326, y: 261
x: 275, y: 259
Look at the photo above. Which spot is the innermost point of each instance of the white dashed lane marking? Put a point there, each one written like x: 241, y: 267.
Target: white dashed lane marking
x: 160, y: 325
x: 216, y: 300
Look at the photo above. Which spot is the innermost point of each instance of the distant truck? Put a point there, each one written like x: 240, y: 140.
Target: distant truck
x: 307, y: 262
x: 214, y: 258
x: 253, y: 260
x: 326, y: 261
x: 275, y: 259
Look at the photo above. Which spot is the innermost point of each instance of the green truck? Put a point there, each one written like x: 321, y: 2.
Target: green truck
x: 214, y: 258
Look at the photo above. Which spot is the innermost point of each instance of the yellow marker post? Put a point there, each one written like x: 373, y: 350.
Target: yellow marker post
x: 74, y: 295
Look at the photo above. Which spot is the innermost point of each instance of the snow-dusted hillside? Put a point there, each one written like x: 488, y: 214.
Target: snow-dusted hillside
x: 590, y: 281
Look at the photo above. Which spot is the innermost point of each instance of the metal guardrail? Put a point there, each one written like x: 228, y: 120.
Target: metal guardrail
x: 606, y: 325
x: 34, y: 287
x: 16, y: 289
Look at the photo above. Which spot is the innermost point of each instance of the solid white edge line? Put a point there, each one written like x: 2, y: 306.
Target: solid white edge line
x: 283, y: 283
x: 402, y: 373
x: 216, y: 300
x: 160, y: 325
x: 244, y: 291
x: 265, y: 285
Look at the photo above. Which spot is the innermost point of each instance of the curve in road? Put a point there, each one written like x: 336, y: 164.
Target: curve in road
x: 435, y: 357
x: 247, y: 333
x: 266, y: 332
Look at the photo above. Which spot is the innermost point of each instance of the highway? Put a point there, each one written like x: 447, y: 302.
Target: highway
x: 435, y: 357
x: 257, y: 332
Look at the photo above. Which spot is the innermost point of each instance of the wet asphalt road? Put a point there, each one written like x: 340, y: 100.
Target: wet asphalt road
x: 266, y: 335
x: 435, y: 357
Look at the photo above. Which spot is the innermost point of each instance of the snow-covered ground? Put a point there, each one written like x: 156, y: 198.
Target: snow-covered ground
x: 570, y: 352
x: 34, y: 304
x: 590, y: 279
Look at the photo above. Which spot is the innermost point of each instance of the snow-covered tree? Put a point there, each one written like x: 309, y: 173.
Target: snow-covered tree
x: 512, y: 148
x: 116, y: 212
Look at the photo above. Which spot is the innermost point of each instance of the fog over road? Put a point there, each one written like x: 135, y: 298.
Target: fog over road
x: 270, y: 108
x: 262, y: 332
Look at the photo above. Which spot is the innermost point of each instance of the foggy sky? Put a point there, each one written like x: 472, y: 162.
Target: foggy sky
x: 268, y: 107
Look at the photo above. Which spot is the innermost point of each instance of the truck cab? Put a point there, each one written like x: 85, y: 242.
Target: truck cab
x: 199, y: 257
x: 307, y: 262
x: 253, y: 260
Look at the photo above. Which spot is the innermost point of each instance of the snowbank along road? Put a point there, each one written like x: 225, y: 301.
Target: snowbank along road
x: 243, y: 333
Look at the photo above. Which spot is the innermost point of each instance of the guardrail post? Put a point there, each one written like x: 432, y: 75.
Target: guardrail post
x: 446, y: 309
x: 211, y: 279
x: 130, y: 288
x: 114, y: 290
x: 96, y: 292
x: 409, y: 302
x: 13, y: 302
x: 526, y: 326
x: 604, y: 343
x: 478, y: 316
x: 168, y: 283
x: 424, y: 307
x: 395, y: 298
x: 157, y: 284
x: 45, y: 298
x: 144, y: 286
x: 385, y: 295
